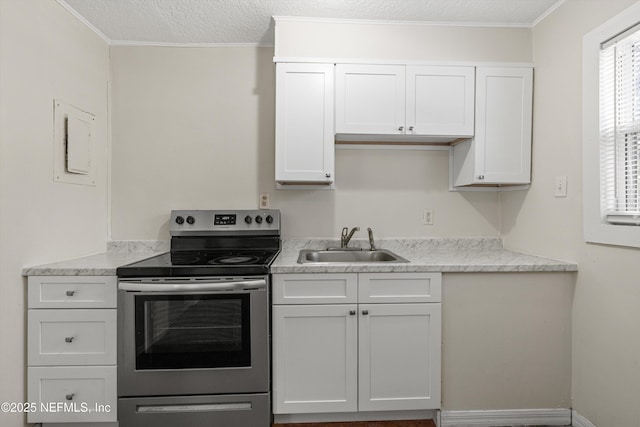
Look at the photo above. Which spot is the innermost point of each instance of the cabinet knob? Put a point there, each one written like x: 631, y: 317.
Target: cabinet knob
x: 401, y: 128
x: 70, y: 396
x: 410, y: 128
x: 68, y: 339
x: 70, y: 293
x: 352, y: 312
x: 365, y: 312
x: 327, y: 175
x: 480, y: 176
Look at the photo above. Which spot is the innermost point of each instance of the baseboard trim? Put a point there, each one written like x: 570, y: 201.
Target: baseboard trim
x: 354, y: 416
x: 508, y: 417
x: 580, y: 421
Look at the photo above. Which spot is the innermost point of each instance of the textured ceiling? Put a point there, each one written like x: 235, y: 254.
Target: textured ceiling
x: 249, y: 21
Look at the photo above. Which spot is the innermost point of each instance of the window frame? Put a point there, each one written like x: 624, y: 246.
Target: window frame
x: 595, y: 228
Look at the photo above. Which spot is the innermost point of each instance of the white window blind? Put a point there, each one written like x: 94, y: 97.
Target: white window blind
x: 620, y: 129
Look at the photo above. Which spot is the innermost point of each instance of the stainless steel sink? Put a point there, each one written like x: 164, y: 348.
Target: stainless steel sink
x: 347, y: 256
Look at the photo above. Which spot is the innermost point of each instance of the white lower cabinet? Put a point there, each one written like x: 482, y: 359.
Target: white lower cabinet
x: 315, y: 360
x: 71, y: 347
x: 399, y: 357
x: 348, y: 357
x: 72, y: 394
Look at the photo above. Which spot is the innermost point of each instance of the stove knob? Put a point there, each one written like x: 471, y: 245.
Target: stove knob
x: 247, y: 219
x: 259, y: 219
x: 269, y: 219
x: 179, y: 220
x: 190, y: 219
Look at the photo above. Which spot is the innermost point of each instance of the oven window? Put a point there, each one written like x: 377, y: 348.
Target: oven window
x: 192, y: 331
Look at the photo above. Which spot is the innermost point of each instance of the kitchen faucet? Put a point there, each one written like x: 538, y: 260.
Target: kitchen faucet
x: 346, y: 236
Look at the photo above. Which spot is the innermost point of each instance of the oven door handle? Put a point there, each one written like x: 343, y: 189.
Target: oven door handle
x: 243, y: 285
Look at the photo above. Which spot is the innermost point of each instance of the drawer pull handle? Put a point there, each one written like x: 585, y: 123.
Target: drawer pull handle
x: 68, y: 339
x: 352, y: 312
x: 70, y: 396
x: 71, y: 293
x: 365, y: 312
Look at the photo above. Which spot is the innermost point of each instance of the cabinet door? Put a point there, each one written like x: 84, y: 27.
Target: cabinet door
x: 440, y: 100
x: 304, y: 123
x: 315, y: 359
x: 399, y: 356
x: 503, y: 125
x: 370, y: 99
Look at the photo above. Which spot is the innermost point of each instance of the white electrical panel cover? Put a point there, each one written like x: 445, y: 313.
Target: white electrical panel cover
x: 73, y: 154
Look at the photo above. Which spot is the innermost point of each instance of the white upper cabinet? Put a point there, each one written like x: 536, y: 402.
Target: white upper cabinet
x: 399, y: 102
x: 440, y: 100
x: 370, y: 99
x: 304, y: 124
x: 500, y: 152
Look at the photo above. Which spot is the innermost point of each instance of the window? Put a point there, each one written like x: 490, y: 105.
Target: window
x: 620, y: 128
x: 611, y: 131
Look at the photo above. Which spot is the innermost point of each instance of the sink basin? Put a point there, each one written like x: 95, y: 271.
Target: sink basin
x: 316, y: 256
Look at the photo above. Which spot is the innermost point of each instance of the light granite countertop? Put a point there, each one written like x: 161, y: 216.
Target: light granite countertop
x: 433, y: 254
x: 103, y: 264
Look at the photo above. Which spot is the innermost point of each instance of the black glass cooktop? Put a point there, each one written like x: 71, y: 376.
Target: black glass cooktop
x: 210, y: 262
x: 223, y: 257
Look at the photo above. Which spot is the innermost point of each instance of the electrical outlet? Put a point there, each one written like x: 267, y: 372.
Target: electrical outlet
x: 427, y: 217
x: 561, y: 186
x: 265, y: 201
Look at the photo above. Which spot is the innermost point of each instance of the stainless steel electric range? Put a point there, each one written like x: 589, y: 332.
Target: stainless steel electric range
x: 193, y: 324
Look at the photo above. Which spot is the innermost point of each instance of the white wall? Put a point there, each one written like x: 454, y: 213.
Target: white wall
x: 45, y: 53
x: 351, y: 39
x: 506, y: 340
x: 194, y: 128
x: 605, y: 348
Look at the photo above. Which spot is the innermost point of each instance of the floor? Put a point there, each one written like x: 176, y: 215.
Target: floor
x: 414, y: 423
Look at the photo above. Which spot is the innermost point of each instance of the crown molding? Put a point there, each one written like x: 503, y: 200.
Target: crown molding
x: 84, y: 21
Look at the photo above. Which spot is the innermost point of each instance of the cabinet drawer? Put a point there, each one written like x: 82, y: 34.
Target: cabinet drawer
x: 72, y: 291
x: 72, y: 394
x: 399, y: 287
x: 326, y: 288
x: 72, y: 337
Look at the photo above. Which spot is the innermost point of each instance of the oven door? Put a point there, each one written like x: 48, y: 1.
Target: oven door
x: 193, y: 336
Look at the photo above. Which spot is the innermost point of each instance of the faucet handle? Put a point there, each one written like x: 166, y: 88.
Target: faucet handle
x: 371, y: 243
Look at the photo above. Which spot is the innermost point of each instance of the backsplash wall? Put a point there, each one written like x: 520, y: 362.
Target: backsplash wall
x: 194, y: 128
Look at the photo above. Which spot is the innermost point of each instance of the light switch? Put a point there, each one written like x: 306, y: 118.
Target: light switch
x: 561, y: 186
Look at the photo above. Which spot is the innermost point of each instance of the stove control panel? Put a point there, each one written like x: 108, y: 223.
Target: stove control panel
x: 212, y: 222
